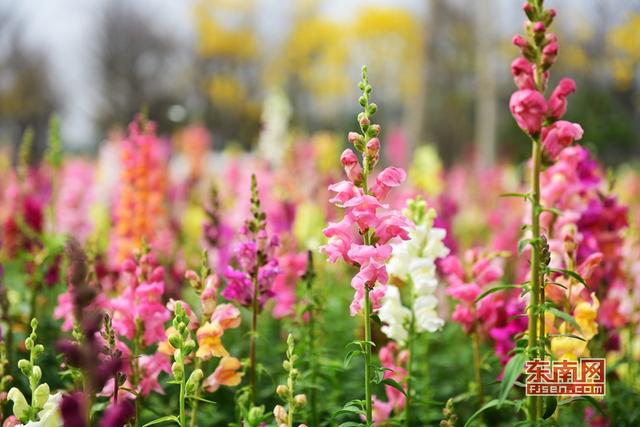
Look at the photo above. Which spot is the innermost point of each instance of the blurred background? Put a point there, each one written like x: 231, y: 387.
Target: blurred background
x: 440, y: 70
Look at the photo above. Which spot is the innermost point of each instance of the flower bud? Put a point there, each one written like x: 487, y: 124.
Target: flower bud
x: 280, y: 414
x: 539, y: 27
x: 363, y: 120
x: 25, y: 366
x: 528, y: 10
x: 373, y: 146
x: 282, y: 391
x: 36, y: 374
x: 255, y: 415
x: 40, y: 395
x: 300, y: 400
x: 128, y: 266
x: 189, y: 346
x: 175, y: 340
x: 374, y: 130
x: 191, y: 275
x: 177, y: 370
x: 353, y: 137
x: 193, y: 382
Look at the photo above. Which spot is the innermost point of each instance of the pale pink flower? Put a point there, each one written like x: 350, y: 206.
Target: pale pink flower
x: 151, y: 366
x: 227, y: 316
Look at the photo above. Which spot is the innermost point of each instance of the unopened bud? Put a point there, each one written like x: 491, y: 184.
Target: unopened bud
x: 539, y: 27
x: 191, y: 275
x: 282, y: 391
x: 363, y: 120
x: 177, y: 370
x: 373, y: 146
x: 194, y: 381
x: 175, y: 340
x: 528, y: 10
x: 280, y: 414
x: 300, y: 399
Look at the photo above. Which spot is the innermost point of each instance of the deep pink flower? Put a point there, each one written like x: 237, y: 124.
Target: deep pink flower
x: 522, y: 72
x: 560, y: 135
x: 557, y: 104
x: 528, y: 107
x: 351, y: 165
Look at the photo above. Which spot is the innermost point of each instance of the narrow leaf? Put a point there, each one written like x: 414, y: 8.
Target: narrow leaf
x: 168, y: 418
x: 496, y: 289
x: 511, y: 373
x: 395, y: 384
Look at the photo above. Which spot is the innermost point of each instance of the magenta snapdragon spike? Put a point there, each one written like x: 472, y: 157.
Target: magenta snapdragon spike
x: 250, y: 283
x: 362, y: 237
x: 255, y: 259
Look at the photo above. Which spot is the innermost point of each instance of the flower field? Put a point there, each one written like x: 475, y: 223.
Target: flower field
x: 319, y: 279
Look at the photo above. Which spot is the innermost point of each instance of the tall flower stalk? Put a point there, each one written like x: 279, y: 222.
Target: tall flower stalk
x: 539, y: 119
x: 251, y: 284
x: 362, y: 237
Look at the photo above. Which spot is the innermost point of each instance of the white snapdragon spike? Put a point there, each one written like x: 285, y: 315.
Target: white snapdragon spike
x: 394, y: 315
x: 414, y: 261
x: 427, y: 319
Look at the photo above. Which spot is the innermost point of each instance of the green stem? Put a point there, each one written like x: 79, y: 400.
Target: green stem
x: 410, y: 345
x: 477, y: 367
x: 533, y: 345
x: 135, y: 369
x: 252, y: 342
x: 312, y: 391
x: 367, y: 356
x: 183, y: 417
x: 194, y: 404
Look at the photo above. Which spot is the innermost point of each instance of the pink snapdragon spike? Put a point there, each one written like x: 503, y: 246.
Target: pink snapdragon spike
x: 293, y: 266
x: 255, y: 258
x: 361, y: 237
x: 140, y: 302
x: 494, y: 317
x: 532, y: 112
x: 75, y: 197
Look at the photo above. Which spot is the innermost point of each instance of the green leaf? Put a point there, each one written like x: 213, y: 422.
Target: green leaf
x: 511, y: 373
x: 568, y: 335
x: 570, y: 273
x: 350, y: 424
x: 486, y: 406
x: 201, y: 399
x: 522, y: 244
x: 495, y: 289
x: 395, y: 384
x: 168, y: 418
x: 550, y: 405
x: 522, y: 195
x: 589, y: 399
x: 565, y: 316
x: 349, y: 356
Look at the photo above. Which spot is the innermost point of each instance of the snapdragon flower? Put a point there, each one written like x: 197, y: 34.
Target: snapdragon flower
x: 414, y: 261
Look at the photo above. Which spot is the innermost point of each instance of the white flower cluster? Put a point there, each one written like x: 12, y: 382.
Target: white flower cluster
x: 413, y: 261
